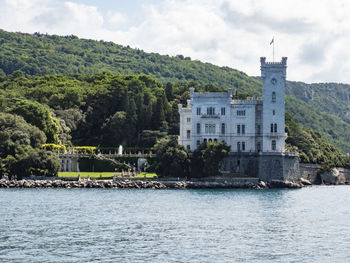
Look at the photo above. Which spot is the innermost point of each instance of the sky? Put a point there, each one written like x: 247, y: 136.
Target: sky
x: 313, y: 34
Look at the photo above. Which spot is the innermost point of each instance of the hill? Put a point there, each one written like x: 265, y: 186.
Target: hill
x: 322, y: 107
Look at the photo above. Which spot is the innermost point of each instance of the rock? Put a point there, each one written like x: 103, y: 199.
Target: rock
x: 285, y: 184
x: 262, y: 184
x: 332, y: 177
x: 305, y: 181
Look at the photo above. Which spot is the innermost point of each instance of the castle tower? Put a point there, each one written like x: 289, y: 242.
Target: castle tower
x: 274, y: 81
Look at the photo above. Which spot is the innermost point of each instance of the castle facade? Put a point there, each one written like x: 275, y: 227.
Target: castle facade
x: 250, y: 125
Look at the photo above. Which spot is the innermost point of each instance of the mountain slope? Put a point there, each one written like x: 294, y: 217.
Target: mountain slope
x: 323, y: 107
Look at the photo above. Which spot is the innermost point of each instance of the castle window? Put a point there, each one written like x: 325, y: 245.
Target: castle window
x: 215, y: 140
x: 223, y: 128
x: 198, y: 142
x: 238, y: 129
x: 258, y: 147
x: 243, y: 146
x: 271, y: 127
x: 243, y: 129
x: 273, y: 112
x: 210, y: 111
x: 210, y: 128
x: 188, y: 134
x: 241, y: 113
x: 205, y: 140
x: 258, y: 129
x: 238, y: 146
x: 188, y: 119
x: 273, y: 145
x: 223, y: 111
x: 198, y: 111
x: 273, y: 96
x: 275, y: 127
x: 198, y: 128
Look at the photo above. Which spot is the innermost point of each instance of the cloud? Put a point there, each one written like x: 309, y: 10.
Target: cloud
x: 313, y: 34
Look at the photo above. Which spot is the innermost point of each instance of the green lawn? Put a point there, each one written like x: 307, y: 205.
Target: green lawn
x: 101, y: 174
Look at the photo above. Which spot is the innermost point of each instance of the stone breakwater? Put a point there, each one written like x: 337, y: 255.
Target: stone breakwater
x: 139, y: 184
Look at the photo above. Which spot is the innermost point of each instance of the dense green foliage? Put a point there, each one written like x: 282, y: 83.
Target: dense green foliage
x: 206, y: 159
x: 101, y: 109
x: 312, y: 147
x: 20, y: 152
x: 172, y: 159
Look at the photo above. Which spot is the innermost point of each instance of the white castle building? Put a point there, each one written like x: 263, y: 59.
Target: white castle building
x: 251, y: 125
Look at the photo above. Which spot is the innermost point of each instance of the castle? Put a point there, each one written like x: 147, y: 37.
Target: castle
x: 254, y: 127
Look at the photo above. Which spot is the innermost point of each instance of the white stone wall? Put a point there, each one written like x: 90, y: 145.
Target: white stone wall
x: 274, y: 77
x: 185, y: 125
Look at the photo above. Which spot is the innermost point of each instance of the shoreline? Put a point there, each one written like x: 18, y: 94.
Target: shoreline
x: 143, y: 184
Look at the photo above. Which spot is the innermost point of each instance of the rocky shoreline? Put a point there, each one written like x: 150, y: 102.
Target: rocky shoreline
x: 144, y: 184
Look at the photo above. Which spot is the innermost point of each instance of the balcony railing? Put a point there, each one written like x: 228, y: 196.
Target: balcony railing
x: 216, y: 116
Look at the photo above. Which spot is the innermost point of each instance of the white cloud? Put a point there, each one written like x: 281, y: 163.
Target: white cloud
x: 313, y: 34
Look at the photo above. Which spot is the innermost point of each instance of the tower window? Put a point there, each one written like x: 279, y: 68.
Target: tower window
x: 223, y: 111
x: 198, y: 128
x: 273, y: 145
x: 275, y: 127
x: 243, y: 146
x: 273, y: 96
x: 198, y: 142
x: 198, y: 111
x: 273, y: 112
x: 238, y: 129
x: 238, y: 146
x: 271, y: 127
x: 258, y: 129
x: 243, y: 129
x: 188, y: 119
x: 188, y: 134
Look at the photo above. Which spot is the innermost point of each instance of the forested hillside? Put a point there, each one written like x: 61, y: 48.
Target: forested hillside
x: 323, y: 107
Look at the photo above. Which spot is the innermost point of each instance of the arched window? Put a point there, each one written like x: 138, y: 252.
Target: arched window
x: 273, y: 145
x: 273, y: 96
x: 275, y: 127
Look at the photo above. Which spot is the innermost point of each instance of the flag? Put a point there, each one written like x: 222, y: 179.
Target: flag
x: 272, y: 41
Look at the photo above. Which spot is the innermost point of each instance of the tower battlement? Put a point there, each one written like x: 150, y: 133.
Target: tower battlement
x: 283, y: 62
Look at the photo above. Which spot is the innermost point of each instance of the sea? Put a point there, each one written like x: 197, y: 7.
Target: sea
x: 311, y: 224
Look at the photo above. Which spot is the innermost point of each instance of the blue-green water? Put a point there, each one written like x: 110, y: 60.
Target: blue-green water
x: 86, y: 225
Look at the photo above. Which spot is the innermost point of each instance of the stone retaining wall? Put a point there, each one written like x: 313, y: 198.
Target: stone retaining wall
x: 314, y: 174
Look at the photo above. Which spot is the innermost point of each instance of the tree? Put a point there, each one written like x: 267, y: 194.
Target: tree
x: 20, y: 152
x: 39, y: 116
x: 206, y: 159
x: 172, y: 159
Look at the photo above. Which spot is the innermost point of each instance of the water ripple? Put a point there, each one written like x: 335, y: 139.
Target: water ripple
x: 87, y: 225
